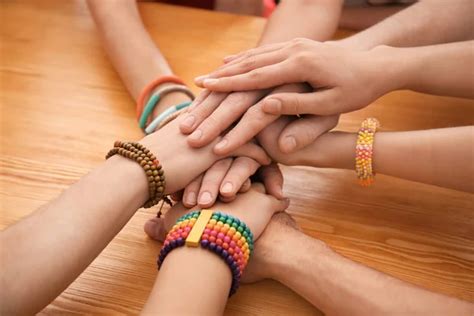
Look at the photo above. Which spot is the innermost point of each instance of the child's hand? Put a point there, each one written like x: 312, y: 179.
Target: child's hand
x: 255, y: 208
x: 182, y: 163
x: 228, y: 177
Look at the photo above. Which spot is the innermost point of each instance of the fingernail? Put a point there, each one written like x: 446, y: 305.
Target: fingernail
x: 200, y: 78
x: 210, y: 81
x: 205, y: 198
x: 227, y: 188
x: 290, y: 143
x: 191, y: 198
x: 221, y: 145
x: 196, y: 135
x: 188, y: 121
x: 272, y: 105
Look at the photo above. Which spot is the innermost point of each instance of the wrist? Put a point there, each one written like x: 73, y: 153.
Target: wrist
x: 394, y: 63
x: 169, y: 100
x: 333, y: 150
x: 296, y: 246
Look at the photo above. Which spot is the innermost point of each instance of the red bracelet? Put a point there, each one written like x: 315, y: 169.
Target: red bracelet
x: 152, y: 85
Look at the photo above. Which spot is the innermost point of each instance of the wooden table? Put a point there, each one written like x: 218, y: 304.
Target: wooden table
x: 62, y: 105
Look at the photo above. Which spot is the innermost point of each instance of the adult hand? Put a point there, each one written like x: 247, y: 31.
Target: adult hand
x: 255, y: 208
x: 297, y: 135
x: 344, y: 80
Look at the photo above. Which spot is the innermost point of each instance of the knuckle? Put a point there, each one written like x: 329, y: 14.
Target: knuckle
x: 255, y: 74
x: 247, y: 64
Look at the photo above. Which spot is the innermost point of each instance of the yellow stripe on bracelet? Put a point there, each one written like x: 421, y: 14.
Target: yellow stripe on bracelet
x: 198, y: 228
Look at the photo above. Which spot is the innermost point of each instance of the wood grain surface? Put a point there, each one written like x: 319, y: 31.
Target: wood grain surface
x: 62, y: 106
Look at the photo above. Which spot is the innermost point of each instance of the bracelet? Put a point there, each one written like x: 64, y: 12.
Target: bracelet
x: 220, y: 233
x: 364, y: 151
x: 152, y: 85
x: 165, y: 115
x: 153, y: 101
x: 153, y: 170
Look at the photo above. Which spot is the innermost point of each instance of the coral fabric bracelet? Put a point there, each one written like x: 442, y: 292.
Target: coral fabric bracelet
x: 145, y: 93
x: 163, y: 116
x: 364, y: 151
x: 150, y: 105
x: 220, y: 233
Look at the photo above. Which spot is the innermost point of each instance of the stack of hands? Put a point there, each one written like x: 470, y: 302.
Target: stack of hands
x: 273, y: 104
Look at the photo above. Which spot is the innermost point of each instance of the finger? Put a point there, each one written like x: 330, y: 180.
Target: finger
x: 252, y: 52
x: 253, y: 151
x: 228, y: 111
x: 211, y: 182
x: 272, y: 178
x: 248, y: 64
x: 261, y: 78
x: 227, y: 199
x: 251, y: 123
x: 155, y: 229
x: 194, y: 117
x: 198, y: 100
x: 241, y: 170
x: 246, y: 186
x: 279, y: 205
x: 259, y: 187
x: 300, y: 133
x: 323, y: 102
x: 191, y: 192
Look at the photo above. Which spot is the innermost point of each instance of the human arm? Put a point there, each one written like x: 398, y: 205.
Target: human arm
x: 442, y: 157
x: 414, y: 26
x: 188, y: 271
x: 347, y: 80
x: 216, y: 112
x: 42, y: 254
x: 339, y: 286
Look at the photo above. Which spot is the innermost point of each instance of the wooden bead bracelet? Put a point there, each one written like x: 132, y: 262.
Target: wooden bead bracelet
x: 153, y: 170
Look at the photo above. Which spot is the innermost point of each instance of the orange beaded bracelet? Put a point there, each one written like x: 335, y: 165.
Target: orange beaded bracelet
x: 152, y: 85
x: 364, y: 151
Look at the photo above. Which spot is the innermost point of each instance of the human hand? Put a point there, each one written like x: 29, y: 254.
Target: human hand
x: 344, y: 80
x: 229, y: 176
x: 298, y: 134
x: 182, y: 163
x: 270, y: 246
x: 256, y: 199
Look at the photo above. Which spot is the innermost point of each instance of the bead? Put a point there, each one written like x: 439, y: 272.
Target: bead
x: 213, y: 233
x: 220, y: 235
x: 227, y: 239
x: 212, y: 239
x: 225, y: 245
x: 219, y: 241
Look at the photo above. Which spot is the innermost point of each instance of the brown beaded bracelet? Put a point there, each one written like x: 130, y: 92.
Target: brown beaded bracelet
x: 153, y: 170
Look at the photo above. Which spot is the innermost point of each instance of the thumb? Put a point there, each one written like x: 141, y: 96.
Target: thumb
x: 322, y: 102
x: 155, y: 229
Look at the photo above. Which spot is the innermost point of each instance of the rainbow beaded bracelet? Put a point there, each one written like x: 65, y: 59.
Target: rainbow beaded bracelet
x: 220, y: 233
x: 364, y: 151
